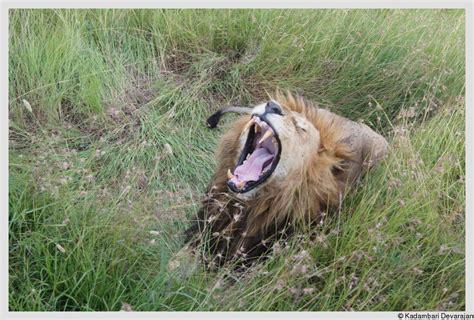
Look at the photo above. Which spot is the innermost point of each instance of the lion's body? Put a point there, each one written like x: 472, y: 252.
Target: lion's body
x: 237, y: 228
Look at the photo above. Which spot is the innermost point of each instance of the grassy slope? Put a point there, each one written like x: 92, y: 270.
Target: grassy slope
x: 90, y: 169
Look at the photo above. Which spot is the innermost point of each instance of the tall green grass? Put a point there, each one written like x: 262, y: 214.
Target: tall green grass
x: 115, y: 146
x: 77, y: 60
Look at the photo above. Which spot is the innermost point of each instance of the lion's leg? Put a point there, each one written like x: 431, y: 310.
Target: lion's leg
x: 368, y: 146
x: 375, y: 147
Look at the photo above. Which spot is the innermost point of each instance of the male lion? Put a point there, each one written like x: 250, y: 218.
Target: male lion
x: 278, y: 169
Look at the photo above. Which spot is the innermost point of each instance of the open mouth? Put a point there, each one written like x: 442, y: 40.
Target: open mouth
x: 259, y: 157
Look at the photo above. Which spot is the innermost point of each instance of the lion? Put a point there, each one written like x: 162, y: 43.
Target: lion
x: 280, y: 167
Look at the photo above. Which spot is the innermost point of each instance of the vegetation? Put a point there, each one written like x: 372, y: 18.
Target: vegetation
x: 109, y: 155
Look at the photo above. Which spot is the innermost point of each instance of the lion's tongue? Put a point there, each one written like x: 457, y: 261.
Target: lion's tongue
x: 253, y: 167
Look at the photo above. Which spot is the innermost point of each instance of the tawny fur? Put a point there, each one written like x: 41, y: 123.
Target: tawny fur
x: 234, y: 229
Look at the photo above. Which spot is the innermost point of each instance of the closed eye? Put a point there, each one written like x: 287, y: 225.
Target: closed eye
x: 298, y: 125
x: 304, y: 129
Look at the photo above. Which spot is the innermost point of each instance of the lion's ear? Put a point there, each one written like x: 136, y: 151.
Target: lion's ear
x: 214, y: 119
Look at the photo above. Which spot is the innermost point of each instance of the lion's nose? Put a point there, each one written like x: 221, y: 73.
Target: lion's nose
x: 273, y: 107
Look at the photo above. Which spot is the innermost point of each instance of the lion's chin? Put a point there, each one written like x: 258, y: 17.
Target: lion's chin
x: 259, y: 157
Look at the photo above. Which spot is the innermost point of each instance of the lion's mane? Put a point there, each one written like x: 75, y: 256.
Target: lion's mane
x: 236, y: 229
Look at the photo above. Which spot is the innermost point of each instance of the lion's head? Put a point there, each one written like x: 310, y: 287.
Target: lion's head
x: 275, y: 143
x: 278, y: 167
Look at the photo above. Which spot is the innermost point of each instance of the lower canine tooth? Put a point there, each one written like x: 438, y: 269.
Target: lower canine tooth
x: 229, y: 174
x: 240, y: 184
x: 267, y: 134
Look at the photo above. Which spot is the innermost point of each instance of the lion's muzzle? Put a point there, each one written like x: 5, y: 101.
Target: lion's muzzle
x: 259, y: 157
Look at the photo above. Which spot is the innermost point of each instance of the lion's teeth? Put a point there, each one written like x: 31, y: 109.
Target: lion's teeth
x: 247, y: 126
x: 267, y: 134
x: 240, y: 184
x: 229, y: 174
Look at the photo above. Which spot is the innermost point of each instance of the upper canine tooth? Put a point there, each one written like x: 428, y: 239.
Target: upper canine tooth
x: 229, y: 174
x: 267, y: 134
x: 247, y: 126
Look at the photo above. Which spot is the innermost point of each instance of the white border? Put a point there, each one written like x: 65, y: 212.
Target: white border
x: 467, y: 5
x: 264, y: 4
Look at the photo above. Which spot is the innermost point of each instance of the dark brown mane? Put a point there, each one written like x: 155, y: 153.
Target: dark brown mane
x: 233, y: 229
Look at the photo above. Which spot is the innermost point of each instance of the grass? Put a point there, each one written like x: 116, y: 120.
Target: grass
x: 114, y: 155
